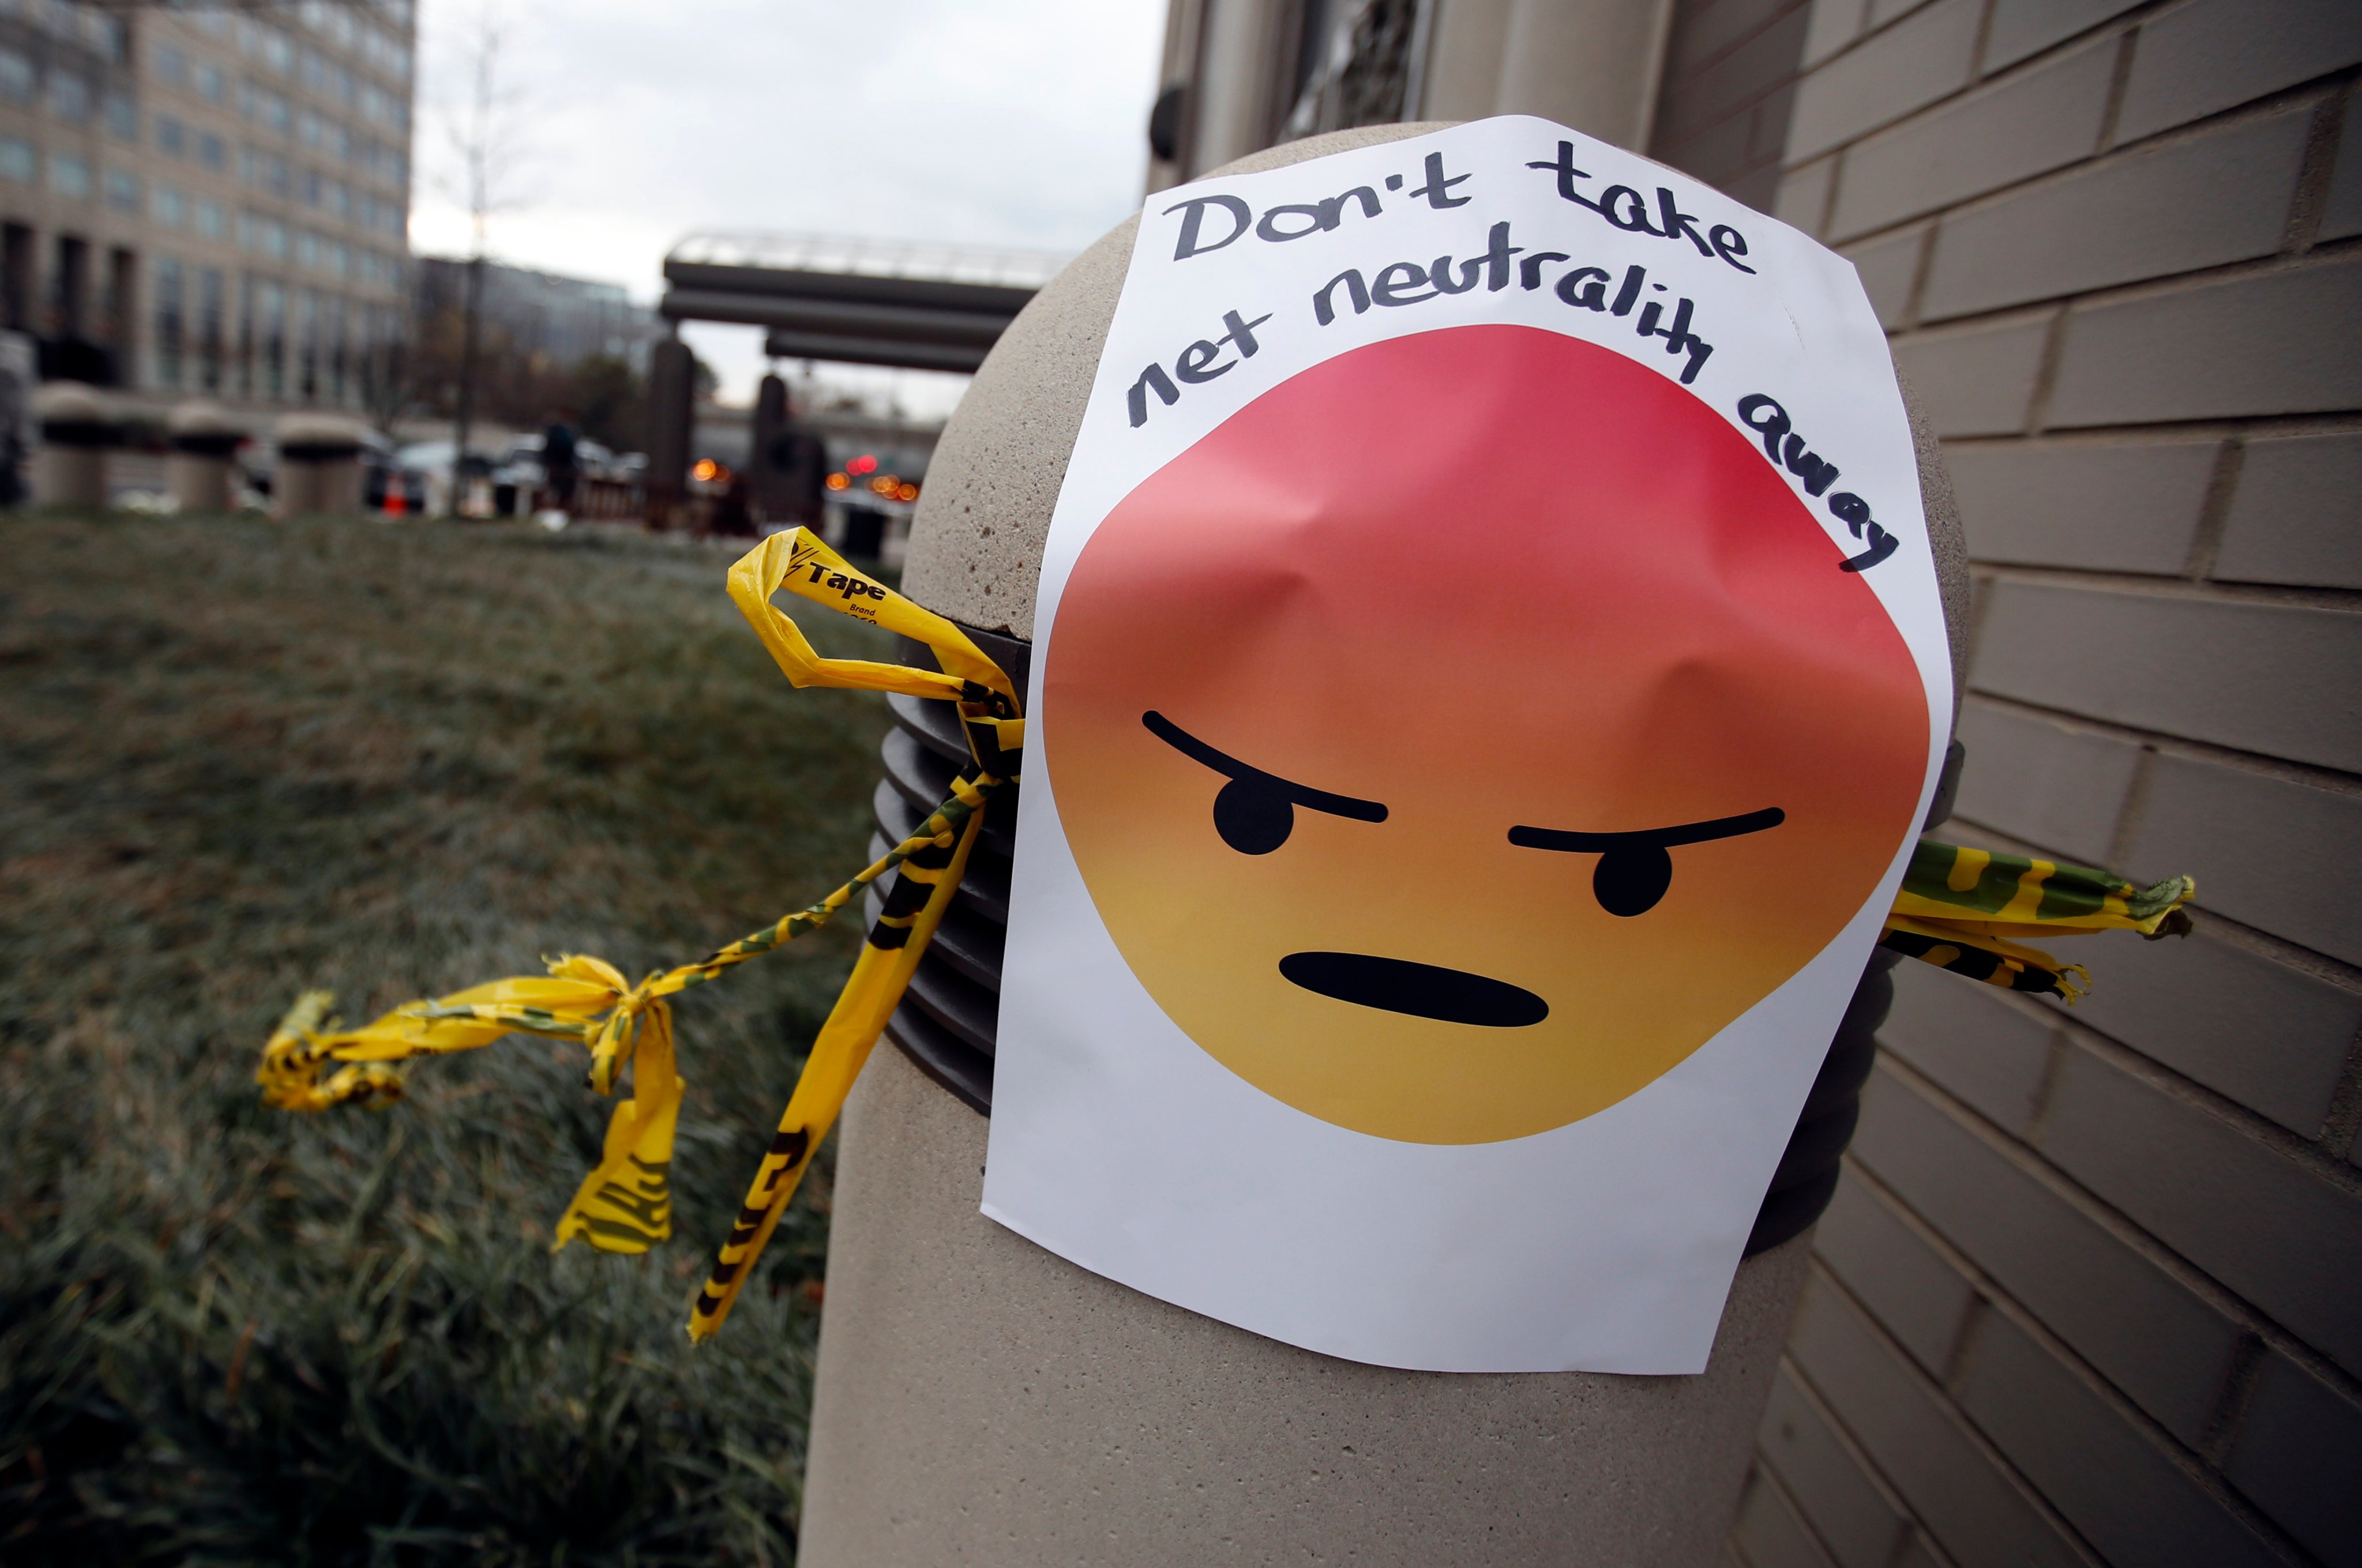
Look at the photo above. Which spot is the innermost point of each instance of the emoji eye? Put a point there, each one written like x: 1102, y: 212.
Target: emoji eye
x: 1256, y: 812
x: 1634, y: 869
x: 1631, y: 877
x: 1253, y: 817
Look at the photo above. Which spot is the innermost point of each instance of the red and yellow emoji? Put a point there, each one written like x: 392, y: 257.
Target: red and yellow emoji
x: 1469, y: 729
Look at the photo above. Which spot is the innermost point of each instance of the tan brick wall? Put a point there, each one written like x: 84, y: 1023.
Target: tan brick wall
x: 2091, y: 1291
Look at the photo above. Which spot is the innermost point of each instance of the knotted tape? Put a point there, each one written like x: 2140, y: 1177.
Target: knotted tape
x: 624, y: 1205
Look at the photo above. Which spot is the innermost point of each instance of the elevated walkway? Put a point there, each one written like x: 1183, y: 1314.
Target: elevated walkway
x: 865, y: 301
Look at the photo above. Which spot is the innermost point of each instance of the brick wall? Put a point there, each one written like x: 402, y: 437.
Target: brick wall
x: 2091, y: 1291
x: 1729, y: 88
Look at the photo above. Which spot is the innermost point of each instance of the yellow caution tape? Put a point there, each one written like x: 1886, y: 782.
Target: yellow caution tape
x: 625, y: 1204
x: 1962, y: 910
x: 1958, y: 908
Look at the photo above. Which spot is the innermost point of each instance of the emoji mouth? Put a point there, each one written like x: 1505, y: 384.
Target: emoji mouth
x: 1423, y: 991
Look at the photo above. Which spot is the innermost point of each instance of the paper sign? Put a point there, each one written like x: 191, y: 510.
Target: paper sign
x: 1488, y: 676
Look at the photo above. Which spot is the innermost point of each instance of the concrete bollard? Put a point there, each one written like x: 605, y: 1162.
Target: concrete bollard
x: 319, y: 466
x: 78, y: 430
x: 199, y: 471
x: 982, y: 1400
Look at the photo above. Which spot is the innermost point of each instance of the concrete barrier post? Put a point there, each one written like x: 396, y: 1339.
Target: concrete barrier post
x: 200, y: 468
x: 319, y: 466
x: 981, y: 1400
x: 78, y: 430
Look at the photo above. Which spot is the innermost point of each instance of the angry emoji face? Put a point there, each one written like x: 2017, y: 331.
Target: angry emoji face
x: 1469, y: 729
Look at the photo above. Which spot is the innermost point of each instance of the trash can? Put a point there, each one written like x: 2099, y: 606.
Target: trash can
x: 199, y: 469
x: 319, y: 466
x: 980, y: 1399
x: 78, y: 430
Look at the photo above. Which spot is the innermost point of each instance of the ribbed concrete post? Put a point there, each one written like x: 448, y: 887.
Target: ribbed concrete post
x: 78, y: 430
x: 319, y: 466
x: 197, y: 471
x: 981, y: 1400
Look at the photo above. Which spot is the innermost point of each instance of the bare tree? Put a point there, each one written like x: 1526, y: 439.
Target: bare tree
x: 487, y: 133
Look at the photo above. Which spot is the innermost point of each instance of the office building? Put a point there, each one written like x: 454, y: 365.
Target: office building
x: 548, y: 320
x: 208, y: 199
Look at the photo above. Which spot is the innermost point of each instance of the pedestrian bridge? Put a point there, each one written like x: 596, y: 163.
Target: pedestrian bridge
x: 864, y: 302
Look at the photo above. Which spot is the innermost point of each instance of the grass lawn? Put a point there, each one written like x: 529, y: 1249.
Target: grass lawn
x: 238, y: 759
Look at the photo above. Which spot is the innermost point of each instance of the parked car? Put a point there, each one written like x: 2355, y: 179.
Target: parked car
x: 386, y: 477
x: 521, y: 464
x: 435, y: 457
x: 432, y: 458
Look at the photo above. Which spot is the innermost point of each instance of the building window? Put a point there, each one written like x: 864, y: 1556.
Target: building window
x: 212, y: 313
x: 107, y: 34
x: 211, y: 152
x: 68, y: 95
x: 266, y: 108
x: 122, y: 191
x: 307, y: 345
x: 70, y: 176
x: 121, y: 117
x: 171, y: 66
x: 211, y: 221
x: 17, y: 160
x: 18, y: 79
x: 171, y: 137
x: 171, y: 321
x: 70, y: 286
x: 269, y: 315
x: 332, y: 22
x: 168, y: 207
x: 333, y: 329
x: 267, y: 44
x: 212, y: 84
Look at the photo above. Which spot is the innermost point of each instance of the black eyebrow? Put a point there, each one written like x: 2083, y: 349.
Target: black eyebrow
x: 1659, y: 838
x: 1303, y: 795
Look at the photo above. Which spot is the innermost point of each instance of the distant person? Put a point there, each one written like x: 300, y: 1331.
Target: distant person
x: 559, y: 469
x: 733, y: 515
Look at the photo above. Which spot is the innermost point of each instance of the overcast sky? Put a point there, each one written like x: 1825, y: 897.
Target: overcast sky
x: 986, y: 122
